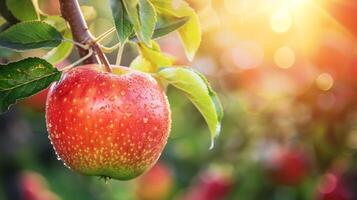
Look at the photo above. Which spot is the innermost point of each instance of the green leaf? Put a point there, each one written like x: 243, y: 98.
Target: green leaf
x: 141, y: 64
x: 198, y: 90
x: 165, y: 27
x: 151, y: 59
x: 147, y: 19
x: 121, y: 19
x: 56, y: 21
x: 190, y: 33
x: 61, y: 52
x: 143, y: 17
x: 24, y: 78
x: 23, y: 10
x: 30, y: 35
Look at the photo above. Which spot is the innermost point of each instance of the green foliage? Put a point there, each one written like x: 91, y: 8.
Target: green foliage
x: 61, y: 52
x: 151, y: 59
x: 197, y: 89
x: 167, y: 25
x: 148, y: 20
x: 23, y: 10
x: 190, y: 33
x: 30, y: 35
x: 143, y: 17
x: 24, y: 78
x: 152, y: 19
x: 56, y: 21
x: 121, y: 19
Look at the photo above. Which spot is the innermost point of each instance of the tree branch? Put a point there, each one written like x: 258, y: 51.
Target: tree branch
x: 72, y: 13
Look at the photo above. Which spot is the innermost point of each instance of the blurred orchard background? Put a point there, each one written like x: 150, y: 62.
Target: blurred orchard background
x: 286, y: 72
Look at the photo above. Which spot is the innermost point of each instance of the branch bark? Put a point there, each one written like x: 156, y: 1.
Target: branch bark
x: 72, y: 13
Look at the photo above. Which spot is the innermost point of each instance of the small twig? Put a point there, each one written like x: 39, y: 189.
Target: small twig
x: 120, y: 54
x: 72, y: 13
x: 104, y: 35
x: 85, y: 47
x: 90, y: 53
x: 109, y: 49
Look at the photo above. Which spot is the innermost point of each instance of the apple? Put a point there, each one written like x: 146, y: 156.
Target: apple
x: 333, y: 187
x: 211, y: 185
x: 288, y: 166
x: 155, y: 184
x: 33, y: 187
x: 113, y: 125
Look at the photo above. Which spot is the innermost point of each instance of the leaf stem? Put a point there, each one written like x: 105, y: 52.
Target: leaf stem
x: 109, y: 49
x: 85, y: 47
x: 72, y: 13
x: 120, y: 54
x: 105, y: 34
x: 90, y: 53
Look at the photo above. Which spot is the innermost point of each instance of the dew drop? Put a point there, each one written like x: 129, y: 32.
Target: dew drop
x: 145, y: 120
x: 122, y: 93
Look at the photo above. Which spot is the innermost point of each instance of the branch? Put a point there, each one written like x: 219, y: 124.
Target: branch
x: 72, y: 13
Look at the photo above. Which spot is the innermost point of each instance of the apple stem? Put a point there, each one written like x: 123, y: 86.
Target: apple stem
x: 72, y: 13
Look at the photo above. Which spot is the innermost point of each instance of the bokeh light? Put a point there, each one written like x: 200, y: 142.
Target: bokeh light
x: 281, y: 21
x: 286, y: 74
x: 324, y: 81
x: 284, y: 57
x: 247, y: 54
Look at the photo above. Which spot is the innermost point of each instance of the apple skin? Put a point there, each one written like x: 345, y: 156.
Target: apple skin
x: 108, y: 124
x: 156, y: 184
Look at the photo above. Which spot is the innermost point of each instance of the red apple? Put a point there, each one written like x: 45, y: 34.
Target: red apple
x: 211, y: 185
x: 156, y: 184
x: 288, y: 166
x: 108, y: 124
x: 33, y: 187
x: 333, y: 187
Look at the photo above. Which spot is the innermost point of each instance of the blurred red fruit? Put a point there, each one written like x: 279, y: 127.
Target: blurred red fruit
x: 288, y: 166
x: 155, y: 184
x: 212, y: 185
x: 333, y: 187
x: 33, y: 187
